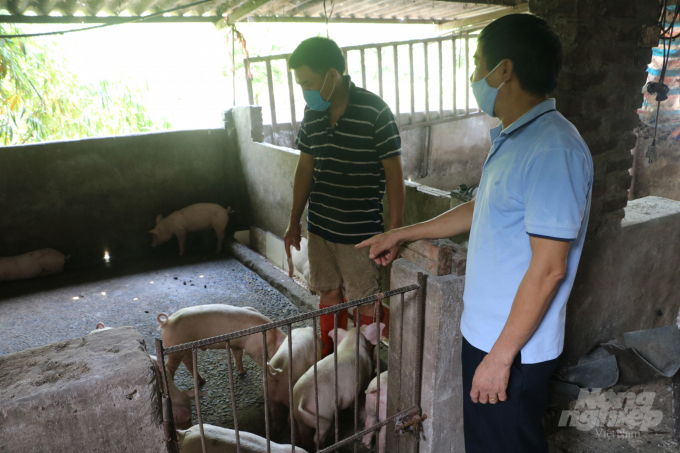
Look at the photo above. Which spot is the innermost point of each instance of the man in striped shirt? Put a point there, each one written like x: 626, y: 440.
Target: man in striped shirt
x: 350, y: 155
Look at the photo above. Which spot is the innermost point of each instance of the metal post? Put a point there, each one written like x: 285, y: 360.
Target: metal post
x: 467, y: 75
x: 420, y: 302
x: 249, y: 82
x: 363, y: 69
x: 168, y: 419
x: 291, y: 95
x: 265, y: 370
x: 455, y: 65
x: 316, y: 388
x: 380, y: 80
x: 410, y: 59
x: 335, y: 361
x: 378, y: 311
x: 272, y: 101
x: 357, y: 327
x: 427, y: 83
x: 233, y: 396
x: 194, y: 358
x: 441, y: 81
x: 396, y: 83
x: 290, y: 387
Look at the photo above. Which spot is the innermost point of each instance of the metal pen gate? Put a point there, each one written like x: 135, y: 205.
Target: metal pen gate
x: 407, y: 421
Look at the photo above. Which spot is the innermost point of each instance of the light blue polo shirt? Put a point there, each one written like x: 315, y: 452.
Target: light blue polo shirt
x: 537, y: 180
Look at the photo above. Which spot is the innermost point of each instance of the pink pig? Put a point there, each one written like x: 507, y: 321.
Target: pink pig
x: 223, y: 440
x: 205, y: 321
x: 199, y: 216
x: 33, y: 264
x: 371, y: 417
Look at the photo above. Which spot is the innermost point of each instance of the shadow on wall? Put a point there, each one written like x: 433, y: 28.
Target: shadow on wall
x: 83, y: 197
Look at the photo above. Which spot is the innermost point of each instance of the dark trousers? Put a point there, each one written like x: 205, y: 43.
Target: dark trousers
x: 513, y: 425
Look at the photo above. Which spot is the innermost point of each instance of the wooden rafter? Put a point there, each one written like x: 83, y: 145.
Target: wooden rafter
x: 248, y: 8
x: 481, y: 18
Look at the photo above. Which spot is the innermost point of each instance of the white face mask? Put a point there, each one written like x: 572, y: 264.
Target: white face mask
x: 484, y: 94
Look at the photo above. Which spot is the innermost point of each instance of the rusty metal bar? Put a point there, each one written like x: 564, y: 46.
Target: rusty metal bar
x: 291, y: 95
x: 357, y: 326
x: 284, y: 322
x: 194, y: 358
x: 467, y: 75
x: 335, y: 382
x: 168, y: 419
x: 370, y: 430
x: 272, y: 101
x: 290, y: 387
x: 441, y: 81
x: 410, y: 60
x: 378, y: 313
x: 427, y: 82
x: 316, y: 388
x: 363, y: 69
x: 455, y: 64
x: 396, y: 84
x: 420, y: 301
x: 233, y: 396
x: 249, y: 82
x: 380, y: 80
x: 265, y: 372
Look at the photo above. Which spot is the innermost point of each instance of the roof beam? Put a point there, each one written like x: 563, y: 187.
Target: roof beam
x: 480, y: 19
x: 244, y: 10
x: 340, y: 20
x: 7, y: 19
x: 486, y: 2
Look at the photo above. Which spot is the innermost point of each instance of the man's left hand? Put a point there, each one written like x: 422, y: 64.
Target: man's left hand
x: 490, y: 381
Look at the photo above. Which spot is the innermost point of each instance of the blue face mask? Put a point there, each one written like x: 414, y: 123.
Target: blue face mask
x: 315, y: 101
x: 484, y: 94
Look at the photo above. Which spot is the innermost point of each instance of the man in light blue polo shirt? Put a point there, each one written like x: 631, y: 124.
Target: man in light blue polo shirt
x: 527, y: 227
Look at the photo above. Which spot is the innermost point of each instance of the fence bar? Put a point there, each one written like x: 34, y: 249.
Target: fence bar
x: 233, y: 396
x: 420, y: 301
x: 357, y: 325
x: 363, y: 69
x: 376, y: 427
x: 284, y: 322
x: 344, y: 54
x: 380, y: 81
x: 168, y: 419
x: 396, y: 84
x: 335, y: 361
x: 455, y: 67
x: 249, y: 82
x: 290, y: 387
x: 410, y: 60
x: 272, y: 101
x: 427, y: 82
x: 316, y: 387
x: 441, y: 81
x: 467, y: 75
x: 194, y: 358
x: 378, y: 312
x: 265, y: 372
x: 291, y: 95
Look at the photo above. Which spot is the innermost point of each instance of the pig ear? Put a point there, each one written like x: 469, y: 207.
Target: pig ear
x: 159, y: 218
x: 180, y: 435
x: 342, y: 333
x: 100, y: 325
x: 273, y: 371
x: 371, y: 332
x: 154, y: 231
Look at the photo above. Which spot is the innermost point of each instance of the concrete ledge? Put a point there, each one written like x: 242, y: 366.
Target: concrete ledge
x: 252, y: 260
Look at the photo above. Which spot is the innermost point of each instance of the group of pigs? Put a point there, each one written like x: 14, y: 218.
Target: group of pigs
x: 204, y: 321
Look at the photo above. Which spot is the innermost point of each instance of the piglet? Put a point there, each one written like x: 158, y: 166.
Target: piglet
x: 371, y: 417
x: 32, y: 264
x: 199, y: 216
x: 303, y: 393
x: 279, y: 368
x: 205, y: 321
x: 223, y: 440
x: 181, y: 402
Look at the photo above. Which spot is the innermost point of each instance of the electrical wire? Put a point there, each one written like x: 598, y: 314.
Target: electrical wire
x: 131, y: 20
x: 326, y: 15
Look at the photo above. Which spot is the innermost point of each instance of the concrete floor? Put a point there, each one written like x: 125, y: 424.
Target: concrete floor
x: 67, y: 305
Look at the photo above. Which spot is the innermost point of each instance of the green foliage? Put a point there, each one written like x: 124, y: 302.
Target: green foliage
x: 41, y: 99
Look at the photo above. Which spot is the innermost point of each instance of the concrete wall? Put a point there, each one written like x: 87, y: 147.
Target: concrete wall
x: 660, y: 178
x: 86, y: 196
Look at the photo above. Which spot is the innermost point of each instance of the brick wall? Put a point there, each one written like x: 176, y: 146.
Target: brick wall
x: 607, y: 46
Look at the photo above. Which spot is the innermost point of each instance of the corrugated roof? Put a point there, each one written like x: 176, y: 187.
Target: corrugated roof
x: 387, y: 11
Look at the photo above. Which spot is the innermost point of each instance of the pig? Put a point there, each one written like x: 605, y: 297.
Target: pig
x: 303, y: 392
x: 223, y: 440
x: 181, y: 402
x: 279, y: 367
x: 371, y: 417
x: 205, y: 321
x: 32, y: 264
x: 299, y: 260
x: 199, y: 216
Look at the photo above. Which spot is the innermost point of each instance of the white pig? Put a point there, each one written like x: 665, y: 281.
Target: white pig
x: 371, y: 417
x: 223, y: 440
x: 205, y: 321
x: 303, y: 392
x: 32, y: 264
x: 279, y: 368
x: 299, y: 260
x: 199, y: 216
x: 181, y: 402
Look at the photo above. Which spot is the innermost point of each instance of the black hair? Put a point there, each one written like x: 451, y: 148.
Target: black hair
x: 531, y: 45
x: 319, y: 54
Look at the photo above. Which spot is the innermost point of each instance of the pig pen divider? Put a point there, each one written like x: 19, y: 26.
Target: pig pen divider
x: 406, y: 419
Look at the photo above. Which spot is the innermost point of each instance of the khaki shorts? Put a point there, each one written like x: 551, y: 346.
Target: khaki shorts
x: 333, y: 266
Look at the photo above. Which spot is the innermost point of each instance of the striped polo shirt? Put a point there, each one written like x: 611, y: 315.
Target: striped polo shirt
x: 346, y: 201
